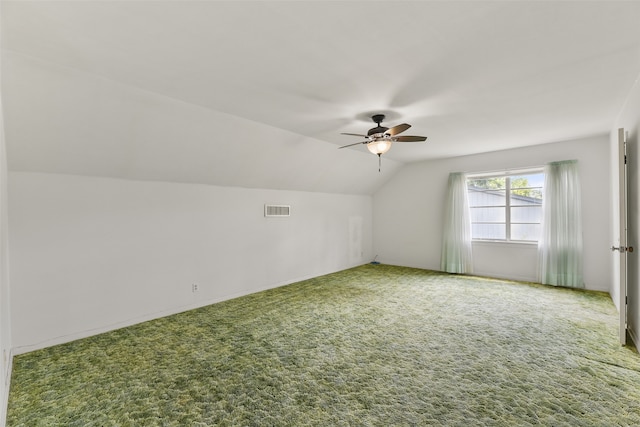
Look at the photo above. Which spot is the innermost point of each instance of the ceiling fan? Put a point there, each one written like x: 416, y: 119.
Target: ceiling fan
x: 379, y: 138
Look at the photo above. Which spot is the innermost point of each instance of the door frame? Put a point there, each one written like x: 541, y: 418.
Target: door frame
x: 623, y: 230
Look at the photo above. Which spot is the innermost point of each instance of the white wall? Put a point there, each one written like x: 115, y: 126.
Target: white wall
x: 629, y: 119
x: 5, y: 313
x: 91, y: 254
x: 614, y: 217
x: 5, y: 316
x: 408, y: 211
x: 5, y: 310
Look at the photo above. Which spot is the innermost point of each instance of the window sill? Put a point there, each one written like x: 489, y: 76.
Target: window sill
x: 504, y: 242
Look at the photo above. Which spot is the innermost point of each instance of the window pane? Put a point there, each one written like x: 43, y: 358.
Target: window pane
x: 526, y: 189
x: 486, y: 198
x: 526, y: 196
x: 489, y: 201
x: 488, y: 231
x: 526, y: 181
x: 493, y: 183
x: 525, y: 232
x: 526, y: 214
x: 488, y: 215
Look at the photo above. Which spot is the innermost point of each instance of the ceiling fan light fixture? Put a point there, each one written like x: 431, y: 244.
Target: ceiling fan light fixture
x: 380, y: 138
x: 379, y: 147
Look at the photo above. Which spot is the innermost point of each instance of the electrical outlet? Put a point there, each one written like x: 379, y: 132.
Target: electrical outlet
x: 194, y: 287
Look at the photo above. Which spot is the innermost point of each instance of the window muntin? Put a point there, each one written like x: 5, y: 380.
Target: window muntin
x: 506, y: 207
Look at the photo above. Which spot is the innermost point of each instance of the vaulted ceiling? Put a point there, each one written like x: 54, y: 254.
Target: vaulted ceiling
x: 256, y: 94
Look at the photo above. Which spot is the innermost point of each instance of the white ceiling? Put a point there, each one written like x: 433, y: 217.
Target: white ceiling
x: 256, y: 94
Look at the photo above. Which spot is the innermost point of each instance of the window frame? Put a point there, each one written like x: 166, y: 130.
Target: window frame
x: 507, y: 174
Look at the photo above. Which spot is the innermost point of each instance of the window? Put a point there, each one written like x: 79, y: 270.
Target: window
x: 506, y: 207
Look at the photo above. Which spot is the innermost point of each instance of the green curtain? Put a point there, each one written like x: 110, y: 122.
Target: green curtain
x: 560, y: 246
x: 456, y: 241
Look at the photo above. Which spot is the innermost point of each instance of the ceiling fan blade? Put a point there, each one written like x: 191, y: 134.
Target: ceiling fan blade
x: 355, y: 143
x: 408, y: 138
x: 397, y: 129
x: 354, y: 134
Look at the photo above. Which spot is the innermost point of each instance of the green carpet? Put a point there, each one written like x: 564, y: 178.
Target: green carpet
x: 370, y: 346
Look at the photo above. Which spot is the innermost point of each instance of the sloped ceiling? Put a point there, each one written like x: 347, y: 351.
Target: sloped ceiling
x: 256, y: 94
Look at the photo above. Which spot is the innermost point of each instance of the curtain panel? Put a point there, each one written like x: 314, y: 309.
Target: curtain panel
x: 560, y: 246
x: 456, y: 242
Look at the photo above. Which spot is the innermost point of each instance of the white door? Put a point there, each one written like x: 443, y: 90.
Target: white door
x: 622, y: 248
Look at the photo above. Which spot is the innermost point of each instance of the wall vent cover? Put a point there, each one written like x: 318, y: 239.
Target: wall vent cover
x: 277, y: 210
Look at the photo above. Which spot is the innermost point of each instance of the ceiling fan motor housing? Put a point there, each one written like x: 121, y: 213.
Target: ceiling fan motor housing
x: 377, y: 130
x: 377, y: 119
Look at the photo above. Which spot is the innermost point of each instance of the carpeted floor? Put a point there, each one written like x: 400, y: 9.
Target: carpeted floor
x: 370, y: 346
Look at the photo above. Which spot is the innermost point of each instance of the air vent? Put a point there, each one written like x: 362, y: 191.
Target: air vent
x: 277, y: 210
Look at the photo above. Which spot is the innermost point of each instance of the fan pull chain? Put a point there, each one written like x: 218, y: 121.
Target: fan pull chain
x: 379, y: 161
